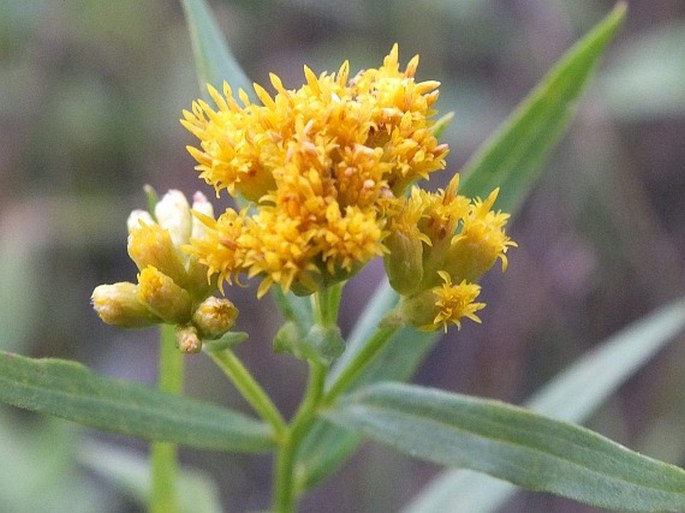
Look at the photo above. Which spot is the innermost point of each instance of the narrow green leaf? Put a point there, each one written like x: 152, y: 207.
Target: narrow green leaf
x: 68, y: 390
x: 567, y: 397
x: 214, y: 60
x: 513, y: 155
x: 512, y: 443
x: 510, y: 158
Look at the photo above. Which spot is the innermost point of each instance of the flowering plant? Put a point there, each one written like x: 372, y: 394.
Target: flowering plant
x: 326, y: 178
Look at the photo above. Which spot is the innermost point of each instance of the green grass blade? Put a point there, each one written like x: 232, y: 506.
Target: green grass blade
x: 70, y: 391
x: 513, y: 444
x: 214, y: 60
x: 513, y: 156
x: 567, y: 397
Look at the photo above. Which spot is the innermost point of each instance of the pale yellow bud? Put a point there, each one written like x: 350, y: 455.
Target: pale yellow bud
x: 187, y: 340
x: 173, y: 214
x: 214, y: 317
x: 163, y: 297
x: 119, y: 304
x: 151, y: 245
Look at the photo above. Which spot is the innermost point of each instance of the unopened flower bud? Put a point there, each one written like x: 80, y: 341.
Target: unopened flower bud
x: 119, y: 304
x: 214, y: 317
x: 151, y: 245
x: 138, y: 217
x: 187, y: 340
x: 173, y: 214
x: 163, y: 297
x: 404, y: 263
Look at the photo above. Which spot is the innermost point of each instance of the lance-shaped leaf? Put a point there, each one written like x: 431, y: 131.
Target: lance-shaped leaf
x: 572, y: 396
x: 513, y: 444
x: 214, y: 61
x: 511, y: 159
x: 68, y: 390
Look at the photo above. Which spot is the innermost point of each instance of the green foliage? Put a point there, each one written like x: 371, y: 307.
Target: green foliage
x: 511, y: 443
x: 567, y: 397
x: 513, y: 156
x: 68, y: 390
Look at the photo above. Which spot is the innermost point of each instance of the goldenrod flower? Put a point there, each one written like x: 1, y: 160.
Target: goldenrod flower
x: 325, y: 165
x: 455, y: 302
x: 443, y: 236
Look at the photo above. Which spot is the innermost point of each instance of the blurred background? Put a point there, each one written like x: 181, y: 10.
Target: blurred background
x: 90, y: 96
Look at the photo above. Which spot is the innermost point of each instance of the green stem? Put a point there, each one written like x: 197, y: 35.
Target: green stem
x: 285, y: 495
x: 163, y: 455
x: 360, y: 361
x: 250, y: 390
x: 325, y: 305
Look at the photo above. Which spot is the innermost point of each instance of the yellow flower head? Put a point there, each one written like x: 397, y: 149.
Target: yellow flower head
x: 325, y: 166
x: 481, y: 241
x: 443, y: 236
x: 454, y: 302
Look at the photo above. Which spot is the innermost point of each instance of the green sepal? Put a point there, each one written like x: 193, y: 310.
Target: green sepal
x: 227, y: 341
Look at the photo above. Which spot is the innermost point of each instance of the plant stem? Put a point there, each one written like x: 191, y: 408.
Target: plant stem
x: 360, y: 361
x: 285, y: 495
x: 251, y: 391
x: 325, y: 305
x: 163, y: 455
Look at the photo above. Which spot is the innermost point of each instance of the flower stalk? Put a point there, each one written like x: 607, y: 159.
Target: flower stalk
x: 163, y: 455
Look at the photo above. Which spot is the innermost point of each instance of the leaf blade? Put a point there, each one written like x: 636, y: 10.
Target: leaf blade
x: 512, y: 443
x: 214, y: 61
x: 566, y: 397
x: 68, y: 390
x: 512, y: 157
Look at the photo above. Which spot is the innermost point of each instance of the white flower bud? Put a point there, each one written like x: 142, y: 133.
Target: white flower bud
x: 173, y: 214
x: 138, y: 216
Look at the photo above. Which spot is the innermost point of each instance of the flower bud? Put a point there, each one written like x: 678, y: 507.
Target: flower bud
x: 187, y: 340
x: 404, y: 263
x: 214, y: 317
x: 138, y: 217
x: 163, y: 297
x: 119, y: 304
x: 173, y: 214
x: 151, y: 245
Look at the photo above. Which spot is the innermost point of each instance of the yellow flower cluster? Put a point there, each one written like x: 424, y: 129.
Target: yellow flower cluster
x: 326, y: 166
x: 172, y: 285
x: 440, y: 244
